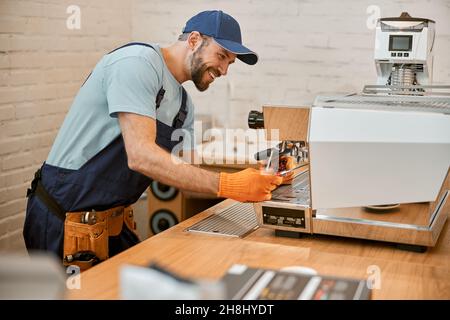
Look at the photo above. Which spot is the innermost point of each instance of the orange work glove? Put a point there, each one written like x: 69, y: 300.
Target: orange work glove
x: 248, y: 185
x: 287, y: 163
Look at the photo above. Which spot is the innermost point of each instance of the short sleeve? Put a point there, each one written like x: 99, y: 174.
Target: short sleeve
x: 131, y: 85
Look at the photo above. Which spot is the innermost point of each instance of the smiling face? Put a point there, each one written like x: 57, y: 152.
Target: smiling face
x: 208, y: 62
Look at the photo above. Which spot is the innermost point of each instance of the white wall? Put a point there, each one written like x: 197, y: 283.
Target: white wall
x: 305, y: 47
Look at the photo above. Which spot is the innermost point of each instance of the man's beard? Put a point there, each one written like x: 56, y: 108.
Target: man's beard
x: 198, y: 69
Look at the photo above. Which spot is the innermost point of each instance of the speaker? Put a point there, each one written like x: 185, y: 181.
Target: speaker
x: 167, y: 206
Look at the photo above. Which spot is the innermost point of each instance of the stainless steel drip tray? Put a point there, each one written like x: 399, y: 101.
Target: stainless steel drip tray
x: 295, y: 193
x: 237, y: 220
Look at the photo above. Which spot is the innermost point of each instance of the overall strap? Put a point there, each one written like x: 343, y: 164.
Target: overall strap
x: 161, y: 91
x: 133, y: 44
x: 38, y: 189
x: 159, y: 97
x: 179, y: 119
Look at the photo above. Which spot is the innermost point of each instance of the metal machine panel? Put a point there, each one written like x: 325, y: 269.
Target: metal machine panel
x: 367, y: 157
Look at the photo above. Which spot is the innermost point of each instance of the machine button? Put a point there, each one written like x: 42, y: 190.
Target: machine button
x: 406, y: 54
x: 393, y: 54
x: 399, y: 54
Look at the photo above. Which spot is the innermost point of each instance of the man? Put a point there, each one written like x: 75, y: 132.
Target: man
x: 117, y: 136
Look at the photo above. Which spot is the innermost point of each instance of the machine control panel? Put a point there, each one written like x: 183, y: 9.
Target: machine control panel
x: 400, y: 54
x: 284, y: 217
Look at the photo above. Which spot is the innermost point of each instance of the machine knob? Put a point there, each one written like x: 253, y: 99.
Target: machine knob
x: 255, y: 120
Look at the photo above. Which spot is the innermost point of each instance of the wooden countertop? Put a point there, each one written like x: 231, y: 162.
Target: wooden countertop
x: 404, y: 275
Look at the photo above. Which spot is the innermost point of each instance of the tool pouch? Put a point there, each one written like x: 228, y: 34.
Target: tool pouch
x: 84, y: 244
x: 86, y: 234
x: 128, y: 220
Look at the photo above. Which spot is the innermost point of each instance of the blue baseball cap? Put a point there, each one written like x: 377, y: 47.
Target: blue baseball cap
x: 224, y: 29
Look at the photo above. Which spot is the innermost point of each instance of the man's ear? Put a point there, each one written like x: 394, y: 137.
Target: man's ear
x: 194, y: 40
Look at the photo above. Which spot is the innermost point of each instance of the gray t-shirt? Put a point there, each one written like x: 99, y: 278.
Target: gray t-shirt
x: 126, y: 80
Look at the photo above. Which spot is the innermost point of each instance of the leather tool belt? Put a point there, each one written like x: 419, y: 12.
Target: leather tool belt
x: 86, y: 234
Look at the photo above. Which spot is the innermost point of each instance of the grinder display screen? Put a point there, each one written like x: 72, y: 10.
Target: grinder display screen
x: 400, y: 43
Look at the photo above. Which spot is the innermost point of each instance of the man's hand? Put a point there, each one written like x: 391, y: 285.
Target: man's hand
x: 248, y: 185
x: 287, y: 163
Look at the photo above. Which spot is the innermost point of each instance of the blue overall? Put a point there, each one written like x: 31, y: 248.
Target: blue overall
x: 103, y: 182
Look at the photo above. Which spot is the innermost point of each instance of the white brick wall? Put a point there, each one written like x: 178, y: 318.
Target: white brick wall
x: 42, y: 65
x: 305, y: 47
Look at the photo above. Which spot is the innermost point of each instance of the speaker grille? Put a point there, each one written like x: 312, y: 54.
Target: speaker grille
x: 237, y: 220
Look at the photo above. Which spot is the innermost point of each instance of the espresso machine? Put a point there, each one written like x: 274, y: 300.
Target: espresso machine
x: 404, y: 52
x: 373, y: 165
